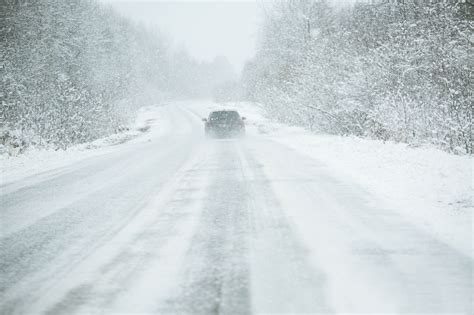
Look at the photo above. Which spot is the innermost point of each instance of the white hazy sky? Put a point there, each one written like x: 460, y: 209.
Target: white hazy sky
x: 205, y: 28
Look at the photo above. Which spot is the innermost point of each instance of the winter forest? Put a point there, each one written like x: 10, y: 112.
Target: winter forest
x: 75, y: 71
x: 393, y: 70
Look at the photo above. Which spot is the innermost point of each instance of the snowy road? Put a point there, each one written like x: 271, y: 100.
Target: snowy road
x: 181, y: 224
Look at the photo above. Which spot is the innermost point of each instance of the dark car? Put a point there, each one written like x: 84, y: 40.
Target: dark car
x: 224, y: 123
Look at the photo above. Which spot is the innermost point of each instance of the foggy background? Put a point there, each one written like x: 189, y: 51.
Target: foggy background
x: 206, y: 29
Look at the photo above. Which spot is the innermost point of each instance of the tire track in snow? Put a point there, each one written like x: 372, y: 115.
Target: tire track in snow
x: 132, y: 278
x: 37, y: 258
x: 245, y: 256
x: 216, y: 280
x: 283, y: 279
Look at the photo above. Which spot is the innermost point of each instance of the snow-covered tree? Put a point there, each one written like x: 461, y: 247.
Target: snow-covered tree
x: 399, y: 70
x: 74, y: 71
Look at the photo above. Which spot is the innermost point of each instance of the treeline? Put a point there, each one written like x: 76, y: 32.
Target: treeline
x: 74, y: 71
x: 393, y: 70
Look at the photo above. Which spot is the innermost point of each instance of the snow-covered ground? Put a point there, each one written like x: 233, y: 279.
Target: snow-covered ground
x: 283, y: 221
x: 432, y: 188
x: 149, y: 123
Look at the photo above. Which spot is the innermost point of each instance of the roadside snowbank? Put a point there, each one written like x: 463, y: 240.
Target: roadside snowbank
x: 34, y: 161
x: 432, y: 188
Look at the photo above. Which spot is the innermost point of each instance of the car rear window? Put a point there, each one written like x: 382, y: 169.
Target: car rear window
x: 224, y: 115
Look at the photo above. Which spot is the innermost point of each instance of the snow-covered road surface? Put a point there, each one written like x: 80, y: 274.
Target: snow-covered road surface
x: 181, y: 224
